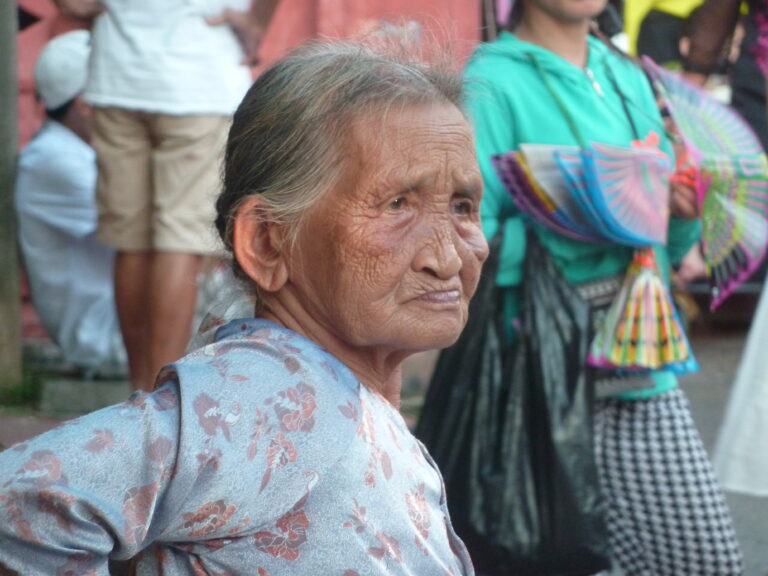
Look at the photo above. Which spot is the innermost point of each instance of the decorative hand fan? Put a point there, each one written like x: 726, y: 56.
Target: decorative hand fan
x: 531, y: 199
x: 635, y: 191
x: 625, y: 200
x: 543, y: 168
x: 642, y: 329
x: 618, y: 195
x: 626, y: 190
x: 573, y: 168
x: 730, y: 173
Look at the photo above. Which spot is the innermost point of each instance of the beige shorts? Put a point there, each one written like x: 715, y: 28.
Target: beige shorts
x: 158, y: 180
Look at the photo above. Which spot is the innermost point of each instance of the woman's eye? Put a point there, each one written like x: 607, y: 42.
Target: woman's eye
x: 463, y: 207
x: 396, y: 204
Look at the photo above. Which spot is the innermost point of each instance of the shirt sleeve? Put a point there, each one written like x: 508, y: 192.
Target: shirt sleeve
x: 90, y: 490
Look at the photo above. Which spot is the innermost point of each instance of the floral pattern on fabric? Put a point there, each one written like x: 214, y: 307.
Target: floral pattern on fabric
x: 259, y: 453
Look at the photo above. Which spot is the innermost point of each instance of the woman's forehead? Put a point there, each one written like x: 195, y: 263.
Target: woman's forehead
x: 402, y: 131
x: 411, y: 152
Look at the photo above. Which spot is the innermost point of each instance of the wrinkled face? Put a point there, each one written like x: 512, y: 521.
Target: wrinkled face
x: 568, y: 10
x: 390, y: 258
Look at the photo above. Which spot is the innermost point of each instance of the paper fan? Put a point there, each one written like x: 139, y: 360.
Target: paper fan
x: 730, y: 173
x: 642, y: 329
x: 531, y: 199
x: 607, y: 193
x: 542, y: 166
x: 633, y: 185
x: 734, y: 231
x: 570, y: 162
x: 705, y: 123
x: 625, y: 191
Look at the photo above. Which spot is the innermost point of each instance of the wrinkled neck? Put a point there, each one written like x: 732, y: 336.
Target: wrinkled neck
x: 379, y: 370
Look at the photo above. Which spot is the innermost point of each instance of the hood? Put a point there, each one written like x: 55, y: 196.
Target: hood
x: 509, y: 46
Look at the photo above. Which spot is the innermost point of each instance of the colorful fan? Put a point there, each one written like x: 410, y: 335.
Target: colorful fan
x: 533, y: 200
x: 730, y: 173
x: 572, y: 165
x: 642, y: 329
x: 625, y: 191
x: 607, y: 193
x: 602, y: 193
x: 635, y: 191
x: 543, y: 168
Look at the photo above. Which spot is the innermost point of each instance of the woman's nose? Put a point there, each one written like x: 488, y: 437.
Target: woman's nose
x: 439, y: 254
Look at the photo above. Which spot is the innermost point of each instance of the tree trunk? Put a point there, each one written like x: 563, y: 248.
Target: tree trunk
x: 10, y: 298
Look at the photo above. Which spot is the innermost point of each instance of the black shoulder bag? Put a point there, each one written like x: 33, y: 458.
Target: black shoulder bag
x: 510, y: 426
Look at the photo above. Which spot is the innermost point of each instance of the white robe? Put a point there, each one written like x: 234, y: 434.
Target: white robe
x: 741, y: 457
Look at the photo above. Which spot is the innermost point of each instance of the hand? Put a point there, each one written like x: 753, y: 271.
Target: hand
x: 692, y: 268
x: 80, y: 8
x: 682, y: 198
x: 248, y: 30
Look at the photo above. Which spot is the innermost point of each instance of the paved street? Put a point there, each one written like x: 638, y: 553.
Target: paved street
x: 718, y: 349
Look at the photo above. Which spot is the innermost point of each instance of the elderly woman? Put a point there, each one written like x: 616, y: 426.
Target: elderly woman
x: 351, y: 205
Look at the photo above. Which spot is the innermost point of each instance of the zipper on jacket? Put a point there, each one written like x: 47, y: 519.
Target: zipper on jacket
x: 594, y: 82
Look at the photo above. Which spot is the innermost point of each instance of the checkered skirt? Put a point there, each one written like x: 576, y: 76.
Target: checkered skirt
x: 667, y: 515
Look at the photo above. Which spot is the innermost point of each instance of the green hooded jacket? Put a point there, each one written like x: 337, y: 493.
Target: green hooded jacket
x: 510, y: 104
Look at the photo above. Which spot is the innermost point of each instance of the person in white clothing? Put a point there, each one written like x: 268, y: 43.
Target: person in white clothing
x: 165, y: 78
x: 738, y: 456
x: 69, y: 270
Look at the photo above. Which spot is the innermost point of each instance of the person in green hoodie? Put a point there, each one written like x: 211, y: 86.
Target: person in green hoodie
x: 541, y: 81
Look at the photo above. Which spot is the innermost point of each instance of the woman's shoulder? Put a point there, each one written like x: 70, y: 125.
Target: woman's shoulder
x: 257, y: 367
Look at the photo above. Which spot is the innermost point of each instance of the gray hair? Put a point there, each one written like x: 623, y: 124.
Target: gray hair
x: 287, y: 137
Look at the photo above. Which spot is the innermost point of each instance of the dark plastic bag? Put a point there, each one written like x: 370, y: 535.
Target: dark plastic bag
x: 510, y: 426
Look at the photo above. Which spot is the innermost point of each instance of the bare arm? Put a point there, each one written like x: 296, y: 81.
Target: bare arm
x: 712, y: 25
x: 80, y: 8
x: 250, y: 26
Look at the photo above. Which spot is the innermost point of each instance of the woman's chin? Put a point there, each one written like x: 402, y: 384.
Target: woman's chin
x: 443, y: 334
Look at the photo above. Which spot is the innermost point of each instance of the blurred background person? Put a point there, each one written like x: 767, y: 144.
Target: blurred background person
x: 165, y: 78
x: 547, y: 80
x: 712, y: 28
x: 738, y: 450
x: 739, y: 454
x: 69, y: 270
x: 657, y: 28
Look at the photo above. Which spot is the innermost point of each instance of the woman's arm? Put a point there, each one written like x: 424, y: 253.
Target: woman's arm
x: 85, y: 9
x: 90, y: 490
x: 710, y: 27
x: 250, y: 27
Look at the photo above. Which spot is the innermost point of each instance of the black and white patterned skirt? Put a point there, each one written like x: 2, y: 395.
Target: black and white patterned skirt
x: 667, y: 515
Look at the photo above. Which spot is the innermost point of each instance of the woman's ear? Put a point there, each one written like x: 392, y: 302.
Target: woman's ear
x: 258, y: 245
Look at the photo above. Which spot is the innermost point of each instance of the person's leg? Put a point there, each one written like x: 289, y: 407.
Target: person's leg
x: 666, y: 512
x: 132, y: 269
x: 123, y: 150
x: 172, y: 296
x: 186, y: 161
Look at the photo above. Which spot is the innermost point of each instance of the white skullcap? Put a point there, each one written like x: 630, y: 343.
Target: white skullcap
x: 62, y: 68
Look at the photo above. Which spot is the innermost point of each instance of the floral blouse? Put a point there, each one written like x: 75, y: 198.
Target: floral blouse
x: 258, y: 454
